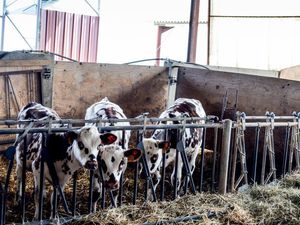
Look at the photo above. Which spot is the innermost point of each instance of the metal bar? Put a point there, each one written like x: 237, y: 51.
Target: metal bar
x: 264, y: 159
x: 74, y: 193
x: 224, y: 159
x: 208, y: 31
x: 14, y: 94
x: 213, y: 176
x: 4, y: 14
x: 18, y: 31
x: 91, y: 185
x: 186, y: 166
x: 97, y: 12
x: 257, y: 135
x: 122, y: 175
x: 54, y: 202
x: 23, y: 204
x: 131, y: 120
x: 2, y: 193
x: 65, y: 129
x: 193, y: 31
x: 267, y: 117
x: 41, y: 184
x: 18, y: 72
x: 175, y: 175
x: 163, y: 175
x: 234, y: 159
x: 285, y: 150
x: 136, y: 170
x: 38, y: 24
x: 202, y: 160
x: 9, y: 170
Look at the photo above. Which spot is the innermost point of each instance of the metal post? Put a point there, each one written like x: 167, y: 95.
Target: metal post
x: 172, y: 82
x: 224, y: 159
x: 4, y: 12
x: 38, y: 25
x: 193, y: 30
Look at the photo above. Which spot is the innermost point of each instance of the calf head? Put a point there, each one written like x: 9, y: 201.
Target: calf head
x: 154, y: 150
x: 87, y: 145
x: 114, y: 161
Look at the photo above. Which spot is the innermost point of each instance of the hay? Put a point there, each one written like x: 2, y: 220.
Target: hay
x: 276, y: 203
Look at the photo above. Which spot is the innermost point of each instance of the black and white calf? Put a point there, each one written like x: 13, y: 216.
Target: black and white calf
x: 69, y: 151
x: 114, y: 157
x: 161, y: 142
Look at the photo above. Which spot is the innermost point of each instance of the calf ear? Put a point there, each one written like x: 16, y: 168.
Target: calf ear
x: 165, y: 145
x: 71, y: 136
x: 108, y: 138
x: 133, y: 154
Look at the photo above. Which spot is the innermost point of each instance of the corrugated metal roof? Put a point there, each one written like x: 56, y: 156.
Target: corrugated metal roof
x: 71, y: 35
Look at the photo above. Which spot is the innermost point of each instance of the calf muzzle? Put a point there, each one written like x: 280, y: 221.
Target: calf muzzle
x: 91, y: 165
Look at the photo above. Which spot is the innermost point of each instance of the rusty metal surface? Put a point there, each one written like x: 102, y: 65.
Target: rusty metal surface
x: 137, y: 89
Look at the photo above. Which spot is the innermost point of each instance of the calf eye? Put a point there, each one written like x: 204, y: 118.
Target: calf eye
x: 121, y: 164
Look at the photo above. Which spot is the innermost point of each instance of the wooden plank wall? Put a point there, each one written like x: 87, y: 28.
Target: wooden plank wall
x: 256, y: 94
x: 137, y: 89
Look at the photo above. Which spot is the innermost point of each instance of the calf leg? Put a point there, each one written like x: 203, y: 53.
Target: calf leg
x: 96, y: 192
x: 19, y: 183
x: 179, y: 173
x: 155, y: 179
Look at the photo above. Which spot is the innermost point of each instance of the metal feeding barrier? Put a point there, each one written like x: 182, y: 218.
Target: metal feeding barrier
x: 231, y: 160
x: 269, y: 167
x: 138, y: 125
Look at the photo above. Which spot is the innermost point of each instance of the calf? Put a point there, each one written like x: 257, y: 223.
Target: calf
x: 69, y: 151
x: 113, y: 157
x: 161, y: 142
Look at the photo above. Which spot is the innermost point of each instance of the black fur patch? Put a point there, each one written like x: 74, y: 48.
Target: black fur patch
x: 80, y: 145
x: 103, y: 165
x: 86, y: 151
x: 65, y: 167
x: 57, y: 147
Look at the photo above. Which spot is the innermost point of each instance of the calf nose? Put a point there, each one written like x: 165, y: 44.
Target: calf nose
x: 91, y: 164
x: 112, y: 183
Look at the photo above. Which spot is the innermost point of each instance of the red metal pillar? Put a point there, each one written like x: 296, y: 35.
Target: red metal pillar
x: 193, y: 31
x: 160, y: 31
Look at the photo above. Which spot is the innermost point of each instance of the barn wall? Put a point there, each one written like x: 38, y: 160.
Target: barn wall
x: 256, y: 94
x: 136, y: 89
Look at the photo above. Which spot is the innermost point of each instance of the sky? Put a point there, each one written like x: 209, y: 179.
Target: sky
x: 244, y: 33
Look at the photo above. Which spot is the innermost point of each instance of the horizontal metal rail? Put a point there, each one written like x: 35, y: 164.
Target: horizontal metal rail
x: 111, y: 128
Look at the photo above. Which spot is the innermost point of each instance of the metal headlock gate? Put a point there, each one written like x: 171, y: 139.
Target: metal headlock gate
x: 220, y: 176
x: 269, y: 166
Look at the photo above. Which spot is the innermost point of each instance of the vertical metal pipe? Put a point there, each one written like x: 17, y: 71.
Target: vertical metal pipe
x: 264, y: 159
x: 202, y: 160
x: 38, y: 25
x: 122, y: 175
x: 224, y: 159
x: 41, y: 185
x: 91, y: 185
x: 285, y: 150
x: 54, y: 201
x: 158, y: 45
x: 136, y: 172
x: 74, y: 193
x: 193, y: 31
x: 234, y: 158
x: 208, y: 31
x: 1, y: 204
x: 213, y: 176
x: 9, y: 170
x: 4, y: 12
x: 257, y: 134
x: 23, y: 204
